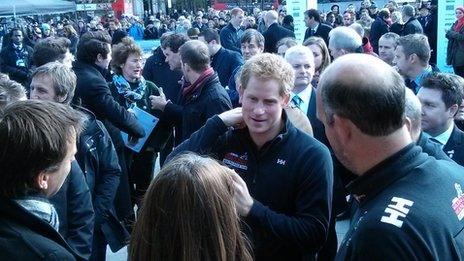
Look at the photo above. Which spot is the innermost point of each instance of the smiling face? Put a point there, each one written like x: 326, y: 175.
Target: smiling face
x: 132, y: 68
x: 262, y: 108
x: 459, y: 14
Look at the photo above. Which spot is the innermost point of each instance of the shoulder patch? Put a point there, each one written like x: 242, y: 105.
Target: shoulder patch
x: 396, y: 211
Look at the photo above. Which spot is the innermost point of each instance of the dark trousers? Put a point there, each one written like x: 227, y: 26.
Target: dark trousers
x: 459, y: 70
x: 98, y: 245
x: 141, y: 174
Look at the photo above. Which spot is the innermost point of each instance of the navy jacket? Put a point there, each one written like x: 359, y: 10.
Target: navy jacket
x: 412, y: 26
x: 378, y: 28
x: 157, y: 71
x: 9, y: 63
x: 224, y: 62
x: 230, y: 38
x: 273, y: 34
x: 322, y: 31
x: 23, y: 236
x: 431, y: 148
x: 409, y: 208
x: 290, y: 180
x: 73, y: 203
x: 232, y: 87
x: 188, y: 117
x: 454, y: 148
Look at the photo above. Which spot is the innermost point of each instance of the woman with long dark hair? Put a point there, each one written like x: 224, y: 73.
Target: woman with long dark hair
x: 455, y: 53
x: 189, y: 214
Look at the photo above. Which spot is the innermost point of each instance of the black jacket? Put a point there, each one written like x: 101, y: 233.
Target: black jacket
x: 454, y: 148
x: 96, y: 96
x: 73, y: 203
x: 10, y: 63
x: 431, y: 148
x: 157, y: 71
x: 322, y: 31
x: 230, y: 38
x: 410, y: 208
x: 378, y: 28
x: 224, y: 62
x: 273, y: 34
x: 23, y: 236
x: 188, y: 117
x: 412, y: 26
x: 290, y: 180
x: 455, y: 49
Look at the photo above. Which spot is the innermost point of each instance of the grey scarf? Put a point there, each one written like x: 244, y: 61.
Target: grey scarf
x: 42, y: 209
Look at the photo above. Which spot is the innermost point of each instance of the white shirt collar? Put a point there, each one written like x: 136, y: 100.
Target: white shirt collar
x: 444, y: 137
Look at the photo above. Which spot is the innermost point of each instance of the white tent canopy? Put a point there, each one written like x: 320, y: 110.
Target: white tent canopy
x: 10, y: 8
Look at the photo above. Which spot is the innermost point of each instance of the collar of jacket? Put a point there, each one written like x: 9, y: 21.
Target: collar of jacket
x: 386, y: 172
x: 287, y: 129
x: 208, y: 82
x: 15, y: 213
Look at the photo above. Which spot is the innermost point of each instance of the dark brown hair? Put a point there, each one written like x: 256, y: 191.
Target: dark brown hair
x: 188, y: 214
x: 34, y: 138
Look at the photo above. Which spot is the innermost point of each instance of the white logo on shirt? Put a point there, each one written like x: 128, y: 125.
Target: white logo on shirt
x: 396, y: 210
x: 281, y: 161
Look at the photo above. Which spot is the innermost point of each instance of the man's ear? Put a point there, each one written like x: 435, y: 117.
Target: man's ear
x: 413, y: 58
x: 343, y: 128
x: 99, y: 57
x: 42, y: 180
x: 240, y: 91
x: 408, y: 123
x: 286, y: 99
x: 453, y: 110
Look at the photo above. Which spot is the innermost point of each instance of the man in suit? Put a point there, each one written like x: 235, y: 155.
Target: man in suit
x: 440, y: 96
x: 315, y: 27
x: 412, y: 55
x: 274, y: 32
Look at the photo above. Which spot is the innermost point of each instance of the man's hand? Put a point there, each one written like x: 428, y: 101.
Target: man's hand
x: 242, y: 198
x: 233, y: 118
x: 158, y: 102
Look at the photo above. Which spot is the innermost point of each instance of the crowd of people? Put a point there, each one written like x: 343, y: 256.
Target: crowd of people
x: 263, y: 141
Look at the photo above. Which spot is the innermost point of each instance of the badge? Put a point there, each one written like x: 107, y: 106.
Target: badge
x: 236, y: 161
x: 458, y: 202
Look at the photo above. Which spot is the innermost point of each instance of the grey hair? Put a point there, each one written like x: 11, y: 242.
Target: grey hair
x: 346, y: 38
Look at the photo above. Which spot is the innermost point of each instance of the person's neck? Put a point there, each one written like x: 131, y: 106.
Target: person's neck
x: 130, y: 79
x: 416, y: 71
x: 260, y: 139
x: 193, y: 77
x: 298, y: 89
x: 316, y: 24
x: 443, y: 129
x: 215, y: 49
x: 376, y: 149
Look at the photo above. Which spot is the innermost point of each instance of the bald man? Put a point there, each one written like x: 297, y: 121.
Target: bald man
x: 274, y: 32
x: 409, y: 205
